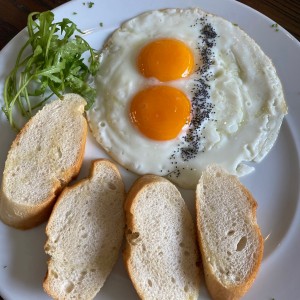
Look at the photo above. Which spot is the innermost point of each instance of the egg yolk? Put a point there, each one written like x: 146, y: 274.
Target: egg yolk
x: 165, y: 59
x: 160, y: 112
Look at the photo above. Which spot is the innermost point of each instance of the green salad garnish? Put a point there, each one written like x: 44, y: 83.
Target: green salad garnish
x: 54, y: 66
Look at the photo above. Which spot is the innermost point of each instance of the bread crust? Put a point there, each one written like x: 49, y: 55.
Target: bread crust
x: 24, y: 216
x: 217, y: 289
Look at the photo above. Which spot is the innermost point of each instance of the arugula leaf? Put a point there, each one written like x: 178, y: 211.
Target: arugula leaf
x: 54, y: 67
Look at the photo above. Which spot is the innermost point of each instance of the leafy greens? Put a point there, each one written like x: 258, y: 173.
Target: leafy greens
x: 54, y: 67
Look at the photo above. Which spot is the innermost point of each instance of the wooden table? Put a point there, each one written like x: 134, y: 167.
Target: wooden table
x: 13, y: 15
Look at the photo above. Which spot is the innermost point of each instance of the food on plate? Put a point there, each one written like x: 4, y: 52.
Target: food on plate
x: 178, y: 89
x: 46, y: 154
x: 53, y: 66
x: 229, y: 237
x: 161, y: 252
x: 85, y: 232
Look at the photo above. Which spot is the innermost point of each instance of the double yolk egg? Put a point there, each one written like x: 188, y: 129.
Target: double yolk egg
x: 161, y: 111
x: 179, y: 89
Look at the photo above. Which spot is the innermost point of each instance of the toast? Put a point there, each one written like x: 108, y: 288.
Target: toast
x: 46, y: 154
x: 229, y: 238
x: 85, y: 232
x: 161, y: 253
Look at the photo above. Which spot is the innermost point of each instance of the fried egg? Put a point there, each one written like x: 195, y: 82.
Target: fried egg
x: 179, y: 89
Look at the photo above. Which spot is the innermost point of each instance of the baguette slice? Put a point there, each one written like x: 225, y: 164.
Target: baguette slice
x: 229, y: 238
x: 161, y: 253
x: 85, y: 232
x: 44, y: 157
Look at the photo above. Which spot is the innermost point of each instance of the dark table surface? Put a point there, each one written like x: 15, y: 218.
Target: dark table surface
x: 13, y: 15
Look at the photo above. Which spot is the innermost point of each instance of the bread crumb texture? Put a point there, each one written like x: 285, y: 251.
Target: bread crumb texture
x: 44, y: 151
x: 229, y: 237
x: 161, y: 252
x: 85, y: 233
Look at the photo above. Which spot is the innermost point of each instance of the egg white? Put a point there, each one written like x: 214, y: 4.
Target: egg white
x: 244, y: 89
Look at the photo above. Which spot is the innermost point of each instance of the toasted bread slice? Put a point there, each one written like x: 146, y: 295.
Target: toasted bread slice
x: 85, y: 232
x: 46, y: 154
x: 230, y: 240
x: 161, y: 253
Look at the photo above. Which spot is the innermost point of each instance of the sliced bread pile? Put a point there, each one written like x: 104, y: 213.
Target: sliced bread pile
x: 86, y: 226
x: 44, y: 157
x: 230, y: 240
x: 85, y: 232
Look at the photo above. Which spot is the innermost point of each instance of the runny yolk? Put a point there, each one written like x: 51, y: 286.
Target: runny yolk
x: 165, y: 59
x: 160, y: 112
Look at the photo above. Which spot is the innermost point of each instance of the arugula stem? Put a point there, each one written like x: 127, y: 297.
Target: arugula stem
x: 49, y: 40
x: 12, y: 102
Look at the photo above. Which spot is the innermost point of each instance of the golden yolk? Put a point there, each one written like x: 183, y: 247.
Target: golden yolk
x: 165, y: 59
x: 160, y: 112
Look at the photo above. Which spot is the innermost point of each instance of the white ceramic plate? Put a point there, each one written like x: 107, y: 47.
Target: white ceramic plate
x: 275, y: 183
